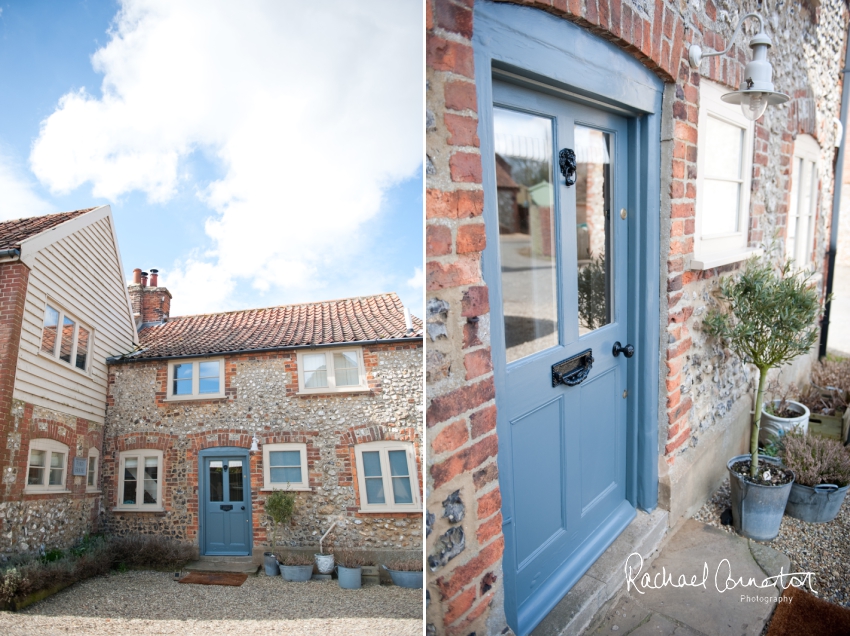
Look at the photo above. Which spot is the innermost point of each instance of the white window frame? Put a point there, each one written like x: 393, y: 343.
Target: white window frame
x: 57, y: 346
x: 807, y: 153
x: 384, y: 448
x: 363, y: 385
x: 196, y: 395
x: 49, y: 446
x: 141, y: 453
x: 93, y: 453
x: 717, y: 250
x: 304, y: 484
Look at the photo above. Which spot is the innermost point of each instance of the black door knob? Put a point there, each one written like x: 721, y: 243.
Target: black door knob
x: 627, y: 351
x: 243, y: 507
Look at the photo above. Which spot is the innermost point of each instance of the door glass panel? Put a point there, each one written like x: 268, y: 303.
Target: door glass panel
x: 216, y: 481
x: 234, y: 474
x: 527, y: 231
x: 131, y: 472
x: 593, y: 212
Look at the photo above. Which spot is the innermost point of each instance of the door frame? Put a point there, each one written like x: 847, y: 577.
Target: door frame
x: 546, y: 53
x: 223, y: 451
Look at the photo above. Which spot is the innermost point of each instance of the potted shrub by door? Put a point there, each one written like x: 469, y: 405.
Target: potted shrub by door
x: 822, y: 470
x: 296, y: 567
x: 280, y: 506
x: 349, y: 569
x: 767, y: 317
x: 406, y: 573
x: 780, y: 415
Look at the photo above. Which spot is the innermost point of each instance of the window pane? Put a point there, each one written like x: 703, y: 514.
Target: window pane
x: 527, y: 229
x: 791, y: 223
x: 721, y: 200
x: 402, y: 492
x: 48, y: 334
x: 82, y: 348
x: 345, y: 369
x: 208, y: 372
x: 724, y: 149
x: 315, y: 370
x: 234, y: 476
x: 372, y: 464
x: 131, y: 471
x: 57, y: 467
x: 593, y: 205
x: 216, y: 481
x: 398, y: 463
x: 67, y: 339
x: 208, y: 385
x: 375, y: 491
x: 803, y: 212
x: 92, y: 467
x: 36, y: 471
x: 151, y: 478
x: 183, y: 379
x: 285, y: 458
x: 285, y: 475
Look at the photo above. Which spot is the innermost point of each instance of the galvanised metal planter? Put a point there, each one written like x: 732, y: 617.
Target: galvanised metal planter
x: 324, y: 563
x: 815, y: 505
x: 349, y: 578
x: 757, y: 510
x: 270, y: 564
x: 296, y: 573
x: 406, y: 579
x: 773, y: 426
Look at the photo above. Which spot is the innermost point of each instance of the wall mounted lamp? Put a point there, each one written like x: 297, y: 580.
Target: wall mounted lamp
x: 254, y: 441
x: 756, y: 90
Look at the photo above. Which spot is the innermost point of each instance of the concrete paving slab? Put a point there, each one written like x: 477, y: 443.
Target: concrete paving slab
x: 622, y: 618
x: 770, y: 560
x: 659, y: 625
x: 697, y: 551
x: 576, y: 609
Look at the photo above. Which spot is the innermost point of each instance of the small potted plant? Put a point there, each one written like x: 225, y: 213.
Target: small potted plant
x: 767, y: 317
x: 349, y: 569
x: 280, y: 506
x: 296, y: 567
x: 781, y: 415
x: 405, y: 572
x: 822, y: 470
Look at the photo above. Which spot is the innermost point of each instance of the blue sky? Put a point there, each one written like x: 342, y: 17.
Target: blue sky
x: 256, y: 153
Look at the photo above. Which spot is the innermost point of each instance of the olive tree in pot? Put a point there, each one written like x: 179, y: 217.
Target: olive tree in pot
x: 822, y: 470
x: 767, y: 317
x: 280, y: 506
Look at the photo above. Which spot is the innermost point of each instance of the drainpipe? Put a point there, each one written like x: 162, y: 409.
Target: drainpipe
x: 324, y: 535
x: 12, y: 253
x: 836, y: 200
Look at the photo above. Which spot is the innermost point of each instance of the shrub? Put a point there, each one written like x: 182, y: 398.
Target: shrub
x: 280, y: 506
x: 295, y: 558
x: 350, y: 559
x: 816, y: 460
x: 405, y: 565
x: 150, y: 551
x: 11, y: 581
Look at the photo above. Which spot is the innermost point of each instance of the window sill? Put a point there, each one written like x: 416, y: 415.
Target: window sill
x: 292, y: 488
x: 356, y: 389
x: 718, y: 260
x: 155, y: 510
x: 67, y: 365
x: 381, y: 511
x: 196, y: 398
x: 92, y: 491
x: 46, y: 492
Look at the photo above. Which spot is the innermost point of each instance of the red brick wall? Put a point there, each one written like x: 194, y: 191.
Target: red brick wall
x: 153, y: 304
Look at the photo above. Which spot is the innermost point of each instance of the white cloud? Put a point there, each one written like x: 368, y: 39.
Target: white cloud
x: 417, y: 281
x: 311, y: 109
x: 17, y: 198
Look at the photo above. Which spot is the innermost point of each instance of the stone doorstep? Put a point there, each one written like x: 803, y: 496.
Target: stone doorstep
x: 605, y: 577
x: 243, y: 564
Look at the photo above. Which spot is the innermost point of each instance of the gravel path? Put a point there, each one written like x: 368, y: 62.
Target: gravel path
x: 822, y: 548
x: 152, y: 603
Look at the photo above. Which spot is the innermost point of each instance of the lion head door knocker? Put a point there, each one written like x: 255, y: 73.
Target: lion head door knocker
x: 567, y: 161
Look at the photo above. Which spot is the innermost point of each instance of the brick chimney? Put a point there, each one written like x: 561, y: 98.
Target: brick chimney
x: 151, y: 303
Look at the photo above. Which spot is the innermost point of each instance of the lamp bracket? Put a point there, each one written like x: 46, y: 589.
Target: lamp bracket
x: 695, y: 54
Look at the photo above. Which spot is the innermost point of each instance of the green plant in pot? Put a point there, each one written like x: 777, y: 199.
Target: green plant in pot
x: 780, y: 414
x: 280, y: 506
x: 822, y: 476
x: 767, y: 316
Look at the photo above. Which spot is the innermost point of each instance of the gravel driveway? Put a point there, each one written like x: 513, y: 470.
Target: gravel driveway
x: 152, y: 603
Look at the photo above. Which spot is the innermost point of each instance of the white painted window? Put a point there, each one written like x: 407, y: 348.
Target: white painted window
x: 140, y: 480
x: 196, y: 379
x: 802, y: 213
x: 285, y: 467
x: 386, y: 477
x: 724, y: 179
x: 92, y: 485
x: 331, y: 371
x: 47, y: 466
x: 65, y: 338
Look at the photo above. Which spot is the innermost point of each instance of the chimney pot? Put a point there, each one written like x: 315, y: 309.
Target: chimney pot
x: 154, y: 277
x: 144, y: 279
x: 137, y: 276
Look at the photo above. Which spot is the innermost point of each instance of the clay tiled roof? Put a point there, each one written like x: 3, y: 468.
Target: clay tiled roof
x: 336, y: 321
x: 13, y: 233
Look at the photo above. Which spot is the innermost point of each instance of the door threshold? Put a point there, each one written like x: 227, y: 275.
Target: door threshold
x: 241, y: 564
x: 606, y: 576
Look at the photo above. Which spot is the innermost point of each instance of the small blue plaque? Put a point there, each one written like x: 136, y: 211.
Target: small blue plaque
x: 80, y: 465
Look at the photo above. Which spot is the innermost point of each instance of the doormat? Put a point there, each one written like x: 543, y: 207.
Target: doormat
x: 803, y: 614
x: 215, y: 578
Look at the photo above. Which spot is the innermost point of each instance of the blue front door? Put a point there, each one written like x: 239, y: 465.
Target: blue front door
x: 227, y: 506
x: 561, y: 306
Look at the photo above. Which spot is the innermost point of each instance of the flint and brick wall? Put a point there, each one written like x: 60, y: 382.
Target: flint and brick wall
x: 261, y: 398
x: 704, y: 392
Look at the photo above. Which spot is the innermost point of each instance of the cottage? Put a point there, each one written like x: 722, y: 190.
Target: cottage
x: 587, y: 185
x: 64, y: 309
x: 211, y: 413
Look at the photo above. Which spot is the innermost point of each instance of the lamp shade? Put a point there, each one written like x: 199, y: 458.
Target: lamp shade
x: 756, y: 90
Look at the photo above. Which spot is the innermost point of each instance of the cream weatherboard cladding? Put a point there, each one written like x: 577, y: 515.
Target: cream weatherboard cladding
x: 77, y: 266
